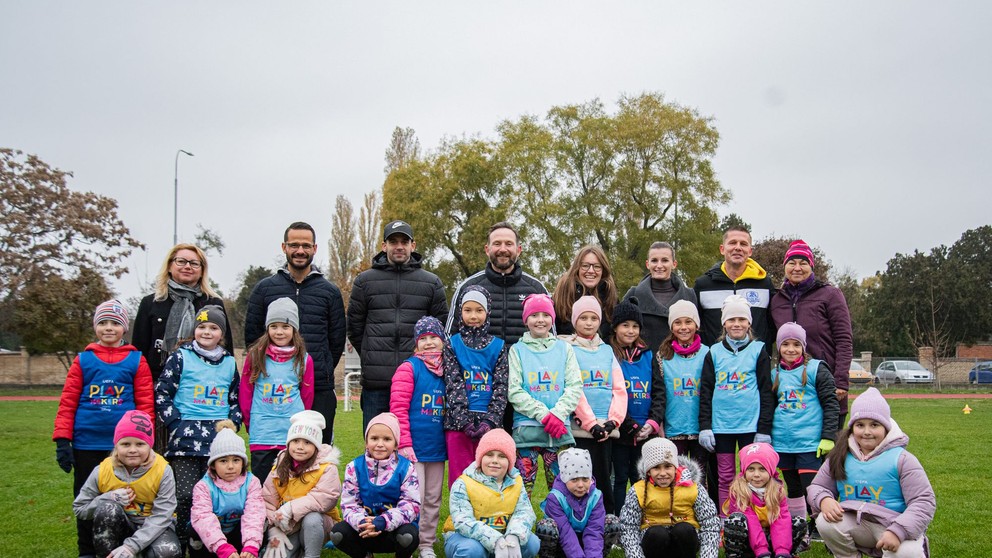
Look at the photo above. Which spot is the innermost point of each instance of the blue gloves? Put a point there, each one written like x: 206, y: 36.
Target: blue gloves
x: 707, y: 440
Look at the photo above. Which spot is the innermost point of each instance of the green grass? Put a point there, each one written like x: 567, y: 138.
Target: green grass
x: 37, y: 518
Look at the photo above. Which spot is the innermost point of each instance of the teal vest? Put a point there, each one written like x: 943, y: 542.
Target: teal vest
x: 228, y: 506
x: 543, y: 376
x: 597, y: 377
x: 736, y: 403
x: 682, y: 377
x: 204, y: 387
x: 875, y: 481
x: 276, y: 397
x: 578, y: 523
x: 798, y: 420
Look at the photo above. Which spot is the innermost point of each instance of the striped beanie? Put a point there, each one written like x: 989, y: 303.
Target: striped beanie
x: 111, y: 310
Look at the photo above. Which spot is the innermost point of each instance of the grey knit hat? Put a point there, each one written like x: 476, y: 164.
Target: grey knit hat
x: 574, y: 463
x: 283, y: 311
x: 227, y: 442
x: 657, y: 451
x: 212, y: 314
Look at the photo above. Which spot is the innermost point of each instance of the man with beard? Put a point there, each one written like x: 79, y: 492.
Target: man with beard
x: 508, y: 286
x: 321, y: 311
x: 386, y: 302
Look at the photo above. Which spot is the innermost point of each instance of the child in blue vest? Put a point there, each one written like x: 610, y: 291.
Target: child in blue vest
x: 276, y: 383
x: 491, y: 515
x: 603, y: 404
x: 197, y: 389
x: 475, y: 378
x: 104, y: 382
x: 228, y: 512
x: 380, y: 503
x: 302, y: 491
x: 641, y: 375
x: 736, y: 402
x: 805, y: 423
x: 417, y: 398
x: 872, y: 495
x: 545, y: 385
x: 576, y: 523
x: 130, y: 498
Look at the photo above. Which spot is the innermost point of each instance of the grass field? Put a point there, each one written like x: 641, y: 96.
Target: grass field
x: 37, y: 518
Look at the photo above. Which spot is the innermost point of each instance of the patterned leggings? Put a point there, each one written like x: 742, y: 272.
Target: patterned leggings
x: 527, y: 463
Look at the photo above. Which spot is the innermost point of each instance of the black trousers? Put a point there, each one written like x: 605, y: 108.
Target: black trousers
x: 188, y: 471
x: 356, y: 547
x: 325, y: 403
x: 84, y: 461
x: 602, y: 467
x: 676, y: 541
x: 262, y: 462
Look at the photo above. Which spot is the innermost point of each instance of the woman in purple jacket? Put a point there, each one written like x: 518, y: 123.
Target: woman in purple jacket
x: 822, y: 311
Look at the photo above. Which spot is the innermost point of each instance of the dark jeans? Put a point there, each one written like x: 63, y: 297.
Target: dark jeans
x: 625, y: 460
x: 262, y: 462
x: 84, y: 461
x: 676, y: 541
x: 325, y: 403
x: 356, y: 547
x: 602, y: 467
x: 374, y: 402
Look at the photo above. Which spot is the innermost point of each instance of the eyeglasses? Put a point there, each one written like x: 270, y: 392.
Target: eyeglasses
x: 300, y: 245
x: 591, y: 267
x: 183, y: 262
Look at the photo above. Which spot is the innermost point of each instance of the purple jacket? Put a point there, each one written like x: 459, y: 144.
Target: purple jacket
x: 921, y: 503
x: 823, y: 313
x: 592, y: 537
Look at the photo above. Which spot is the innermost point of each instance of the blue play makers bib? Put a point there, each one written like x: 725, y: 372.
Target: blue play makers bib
x: 379, y: 498
x: 578, y: 523
x: 477, y: 367
x: 637, y: 380
x: 203, y: 387
x: 798, y: 420
x: 108, y: 393
x: 736, y: 402
x: 276, y: 397
x: 427, y: 414
x: 682, y: 376
x: 228, y: 506
x: 543, y: 376
x: 596, y: 366
x: 875, y: 481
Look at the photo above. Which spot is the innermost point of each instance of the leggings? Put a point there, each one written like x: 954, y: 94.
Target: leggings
x: 111, y: 526
x: 527, y: 464
x: 403, y: 541
x: 602, y: 467
x: 726, y: 468
x: 675, y: 541
x: 188, y: 471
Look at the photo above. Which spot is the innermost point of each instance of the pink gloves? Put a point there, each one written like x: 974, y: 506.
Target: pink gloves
x: 554, y: 426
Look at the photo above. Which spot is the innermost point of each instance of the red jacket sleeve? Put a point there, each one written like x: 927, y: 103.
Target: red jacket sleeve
x: 65, y: 418
x: 144, y: 389
x: 400, y: 394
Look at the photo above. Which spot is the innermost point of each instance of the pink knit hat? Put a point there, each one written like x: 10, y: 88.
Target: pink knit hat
x: 496, y: 439
x: 586, y: 304
x: 791, y: 330
x: 388, y: 420
x: 135, y: 424
x: 759, y: 452
x: 871, y: 405
x: 538, y: 302
x: 799, y: 249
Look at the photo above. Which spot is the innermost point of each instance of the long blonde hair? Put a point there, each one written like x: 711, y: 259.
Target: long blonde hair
x: 740, y: 493
x: 162, y: 279
x: 605, y: 293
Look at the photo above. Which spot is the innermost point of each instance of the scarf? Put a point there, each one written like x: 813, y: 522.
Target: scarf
x: 432, y: 359
x: 280, y: 354
x: 760, y: 492
x: 795, y: 292
x: 737, y: 344
x: 576, y: 339
x: 213, y: 355
x: 692, y: 349
x: 182, y: 315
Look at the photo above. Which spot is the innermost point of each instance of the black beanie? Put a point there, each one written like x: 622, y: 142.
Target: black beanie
x: 627, y: 310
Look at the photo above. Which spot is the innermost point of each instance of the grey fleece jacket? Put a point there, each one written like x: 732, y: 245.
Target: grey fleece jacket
x: 149, y: 528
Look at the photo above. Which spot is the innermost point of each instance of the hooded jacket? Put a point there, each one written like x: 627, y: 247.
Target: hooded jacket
x: 592, y: 537
x: 715, y: 285
x: 386, y: 302
x: 921, y: 503
x: 321, y: 318
x: 508, y: 293
x: 654, y: 315
x: 204, y: 521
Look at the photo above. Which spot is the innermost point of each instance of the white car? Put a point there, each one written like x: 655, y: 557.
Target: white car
x: 902, y: 372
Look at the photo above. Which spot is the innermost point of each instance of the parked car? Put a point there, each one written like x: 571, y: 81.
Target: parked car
x: 981, y: 373
x: 902, y: 372
x: 858, y: 374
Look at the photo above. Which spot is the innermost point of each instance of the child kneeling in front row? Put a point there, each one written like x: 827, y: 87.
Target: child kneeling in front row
x: 131, y: 496
x: 491, y: 515
x: 666, y: 514
x: 576, y: 523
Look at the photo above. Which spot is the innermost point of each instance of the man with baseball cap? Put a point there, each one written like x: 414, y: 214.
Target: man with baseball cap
x: 386, y: 302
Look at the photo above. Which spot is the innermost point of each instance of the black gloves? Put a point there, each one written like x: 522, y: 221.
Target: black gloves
x: 63, y: 454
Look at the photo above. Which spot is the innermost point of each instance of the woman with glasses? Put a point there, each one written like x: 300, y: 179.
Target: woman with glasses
x: 166, y: 316
x: 590, y: 274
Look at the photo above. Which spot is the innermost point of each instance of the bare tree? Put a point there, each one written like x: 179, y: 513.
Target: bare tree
x: 343, y: 249
x: 369, y: 223
x: 403, y: 147
x: 931, y: 331
x: 209, y: 241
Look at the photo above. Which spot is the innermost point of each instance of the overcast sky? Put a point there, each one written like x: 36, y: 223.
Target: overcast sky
x: 863, y: 127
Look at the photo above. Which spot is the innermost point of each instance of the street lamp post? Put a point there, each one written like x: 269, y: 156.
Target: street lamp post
x: 175, y: 199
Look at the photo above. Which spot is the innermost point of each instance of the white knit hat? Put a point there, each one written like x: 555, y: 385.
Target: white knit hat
x: 574, y: 463
x: 735, y: 306
x: 657, y: 451
x: 227, y: 442
x: 308, y: 425
x: 683, y: 309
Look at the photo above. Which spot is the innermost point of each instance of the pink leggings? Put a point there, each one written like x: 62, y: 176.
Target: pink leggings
x: 461, y: 453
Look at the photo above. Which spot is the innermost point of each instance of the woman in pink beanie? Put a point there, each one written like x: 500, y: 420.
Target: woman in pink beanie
x: 872, y: 495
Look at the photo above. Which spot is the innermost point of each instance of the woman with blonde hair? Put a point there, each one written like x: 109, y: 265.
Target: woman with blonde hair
x: 590, y: 274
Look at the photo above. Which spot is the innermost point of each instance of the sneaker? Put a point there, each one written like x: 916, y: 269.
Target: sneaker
x: 814, y: 535
x: 427, y: 552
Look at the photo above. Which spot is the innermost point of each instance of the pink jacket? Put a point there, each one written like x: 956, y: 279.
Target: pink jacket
x: 322, y: 498
x: 780, y: 529
x: 207, y: 525
x: 400, y: 394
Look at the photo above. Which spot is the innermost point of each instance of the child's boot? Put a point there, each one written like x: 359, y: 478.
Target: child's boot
x: 735, y: 541
x: 800, y: 535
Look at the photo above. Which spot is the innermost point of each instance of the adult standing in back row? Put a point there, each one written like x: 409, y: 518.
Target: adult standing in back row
x: 386, y: 302
x: 736, y: 274
x: 321, y: 313
x: 659, y: 289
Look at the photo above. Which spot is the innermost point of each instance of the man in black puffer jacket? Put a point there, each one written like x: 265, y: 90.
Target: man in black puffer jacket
x: 321, y: 314
x: 386, y: 302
